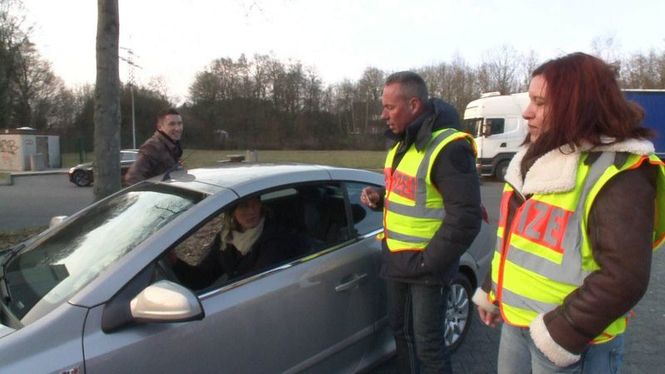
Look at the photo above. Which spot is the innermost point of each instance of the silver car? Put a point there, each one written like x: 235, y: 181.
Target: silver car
x: 97, y: 292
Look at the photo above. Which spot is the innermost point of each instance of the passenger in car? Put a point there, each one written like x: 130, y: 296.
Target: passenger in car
x: 250, y: 241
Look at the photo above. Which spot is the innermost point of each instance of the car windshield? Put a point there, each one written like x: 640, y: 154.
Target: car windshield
x: 51, y: 270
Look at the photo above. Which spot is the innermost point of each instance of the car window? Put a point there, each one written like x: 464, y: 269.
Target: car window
x: 128, y: 156
x: 299, y: 221
x: 365, y: 220
x: 48, y: 272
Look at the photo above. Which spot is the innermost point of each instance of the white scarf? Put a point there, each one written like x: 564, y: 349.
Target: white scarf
x: 242, y: 241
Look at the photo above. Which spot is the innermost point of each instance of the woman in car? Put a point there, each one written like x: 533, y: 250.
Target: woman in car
x: 248, y: 242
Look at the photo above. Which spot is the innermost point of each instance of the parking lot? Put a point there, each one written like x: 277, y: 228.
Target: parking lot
x: 32, y: 200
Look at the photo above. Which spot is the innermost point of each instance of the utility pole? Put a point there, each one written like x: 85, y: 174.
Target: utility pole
x: 130, y: 61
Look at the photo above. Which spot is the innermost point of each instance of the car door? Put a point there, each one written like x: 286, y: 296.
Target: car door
x: 315, y: 313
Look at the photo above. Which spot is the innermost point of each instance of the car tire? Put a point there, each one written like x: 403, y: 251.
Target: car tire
x: 81, y: 178
x: 501, y: 169
x: 459, y: 311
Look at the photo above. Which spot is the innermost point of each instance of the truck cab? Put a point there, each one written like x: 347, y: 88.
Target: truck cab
x: 496, y: 123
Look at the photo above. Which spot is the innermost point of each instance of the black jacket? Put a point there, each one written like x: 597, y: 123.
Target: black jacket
x: 455, y: 177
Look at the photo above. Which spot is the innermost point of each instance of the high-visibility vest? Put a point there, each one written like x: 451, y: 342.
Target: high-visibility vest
x: 546, y: 253
x: 413, y: 208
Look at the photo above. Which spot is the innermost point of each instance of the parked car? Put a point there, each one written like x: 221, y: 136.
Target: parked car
x: 97, y: 292
x: 82, y: 174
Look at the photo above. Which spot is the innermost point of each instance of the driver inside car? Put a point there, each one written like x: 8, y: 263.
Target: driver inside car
x: 248, y: 242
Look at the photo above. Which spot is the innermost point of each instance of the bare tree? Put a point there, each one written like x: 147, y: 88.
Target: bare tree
x: 529, y: 63
x: 498, y: 70
x: 370, y: 88
x: 606, y: 48
x: 107, y: 101
x: 646, y: 71
x: 13, y: 38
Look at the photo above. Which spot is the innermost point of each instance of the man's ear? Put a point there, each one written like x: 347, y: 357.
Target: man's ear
x: 415, y: 105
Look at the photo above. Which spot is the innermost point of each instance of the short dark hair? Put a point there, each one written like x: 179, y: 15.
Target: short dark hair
x: 166, y: 112
x: 412, y: 84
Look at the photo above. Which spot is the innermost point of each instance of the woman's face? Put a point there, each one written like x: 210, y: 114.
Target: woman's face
x: 248, y: 213
x: 536, y: 111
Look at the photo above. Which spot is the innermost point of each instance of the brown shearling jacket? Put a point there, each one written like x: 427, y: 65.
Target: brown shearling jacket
x: 620, y: 230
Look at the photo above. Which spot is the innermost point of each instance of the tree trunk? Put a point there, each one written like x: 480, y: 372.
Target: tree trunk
x: 107, y: 101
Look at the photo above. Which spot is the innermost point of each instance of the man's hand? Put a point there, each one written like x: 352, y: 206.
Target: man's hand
x: 489, y: 318
x: 370, y: 197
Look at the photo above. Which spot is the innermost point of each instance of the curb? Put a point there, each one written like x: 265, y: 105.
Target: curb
x: 5, y: 179
x: 40, y: 172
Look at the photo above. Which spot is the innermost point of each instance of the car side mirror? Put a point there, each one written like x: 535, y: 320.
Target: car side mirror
x: 165, y: 301
x: 56, y: 220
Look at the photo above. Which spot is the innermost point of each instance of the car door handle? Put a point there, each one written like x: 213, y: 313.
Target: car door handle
x: 355, y: 280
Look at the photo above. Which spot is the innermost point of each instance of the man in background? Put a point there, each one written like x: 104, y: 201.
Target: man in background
x: 160, y: 153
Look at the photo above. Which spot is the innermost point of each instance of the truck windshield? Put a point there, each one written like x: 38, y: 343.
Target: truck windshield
x: 472, y: 126
x: 48, y: 272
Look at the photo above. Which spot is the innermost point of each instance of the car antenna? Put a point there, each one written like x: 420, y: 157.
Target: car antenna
x: 175, y: 167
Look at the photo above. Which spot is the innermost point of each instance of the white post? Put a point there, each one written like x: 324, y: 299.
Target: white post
x: 131, y: 91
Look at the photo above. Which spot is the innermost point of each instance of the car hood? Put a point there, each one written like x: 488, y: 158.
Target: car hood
x: 87, y: 165
x: 4, y: 330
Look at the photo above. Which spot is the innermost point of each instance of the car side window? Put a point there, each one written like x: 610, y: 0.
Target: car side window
x: 296, y: 221
x: 365, y: 220
x: 315, y: 211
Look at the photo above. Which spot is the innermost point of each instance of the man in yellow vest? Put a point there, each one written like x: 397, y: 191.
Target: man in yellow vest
x: 432, y: 214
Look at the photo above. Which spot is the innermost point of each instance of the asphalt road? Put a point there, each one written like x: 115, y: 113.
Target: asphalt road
x: 32, y: 200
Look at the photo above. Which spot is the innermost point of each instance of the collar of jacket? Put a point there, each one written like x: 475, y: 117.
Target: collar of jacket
x: 556, y: 170
x: 438, y: 114
x: 175, y: 142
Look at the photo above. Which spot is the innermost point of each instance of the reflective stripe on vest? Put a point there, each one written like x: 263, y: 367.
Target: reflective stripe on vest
x: 413, y: 208
x: 546, y: 253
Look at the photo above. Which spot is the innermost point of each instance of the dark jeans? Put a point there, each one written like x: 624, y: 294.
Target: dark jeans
x: 417, y: 313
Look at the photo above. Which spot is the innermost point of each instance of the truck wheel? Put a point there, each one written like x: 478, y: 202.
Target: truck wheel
x: 500, y: 170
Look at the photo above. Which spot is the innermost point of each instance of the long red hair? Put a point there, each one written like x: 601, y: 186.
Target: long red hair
x: 584, y: 102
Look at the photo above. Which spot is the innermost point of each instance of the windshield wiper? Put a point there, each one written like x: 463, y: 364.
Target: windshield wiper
x: 7, y: 254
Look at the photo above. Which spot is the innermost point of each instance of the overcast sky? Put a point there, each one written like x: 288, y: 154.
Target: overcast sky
x: 174, y: 39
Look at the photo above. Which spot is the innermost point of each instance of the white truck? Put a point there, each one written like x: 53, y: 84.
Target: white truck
x: 496, y: 122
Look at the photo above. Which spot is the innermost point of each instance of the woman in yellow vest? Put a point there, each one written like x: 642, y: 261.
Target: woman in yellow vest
x: 581, y: 213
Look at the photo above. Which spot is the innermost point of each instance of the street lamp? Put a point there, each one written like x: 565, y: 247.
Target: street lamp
x: 130, y: 61
x: 131, y: 93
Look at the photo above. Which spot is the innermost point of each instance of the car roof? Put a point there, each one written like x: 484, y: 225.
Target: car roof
x: 240, y: 176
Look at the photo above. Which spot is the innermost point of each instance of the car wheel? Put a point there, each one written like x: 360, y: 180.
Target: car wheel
x: 81, y: 178
x: 458, y: 312
x: 501, y: 170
